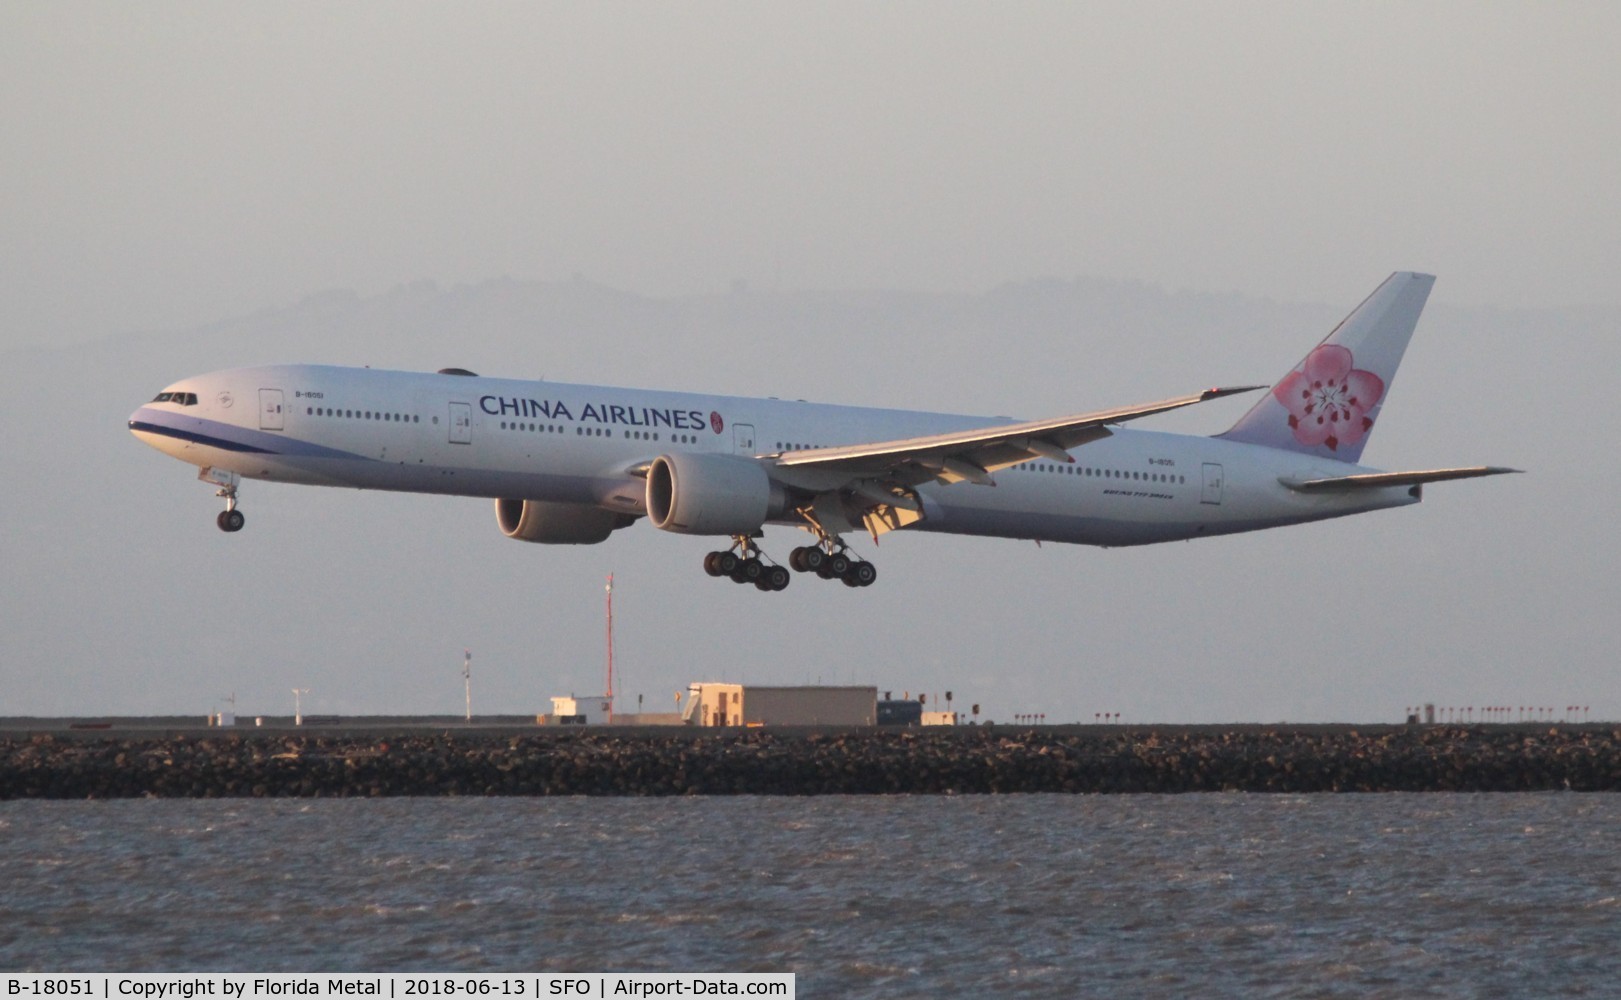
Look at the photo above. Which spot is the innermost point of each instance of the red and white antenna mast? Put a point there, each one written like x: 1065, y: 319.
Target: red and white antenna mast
x: 609, y: 696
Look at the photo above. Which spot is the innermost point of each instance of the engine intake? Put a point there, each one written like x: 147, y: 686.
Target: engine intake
x: 556, y: 523
x: 711, y: 494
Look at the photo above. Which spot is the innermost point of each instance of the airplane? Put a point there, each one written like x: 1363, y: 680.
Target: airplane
x: 571, y: 464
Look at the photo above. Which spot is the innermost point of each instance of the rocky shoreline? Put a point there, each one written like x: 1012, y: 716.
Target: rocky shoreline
x: 980, y: 760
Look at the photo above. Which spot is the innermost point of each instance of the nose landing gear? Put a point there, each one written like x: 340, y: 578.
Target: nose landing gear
x: 230, y: 519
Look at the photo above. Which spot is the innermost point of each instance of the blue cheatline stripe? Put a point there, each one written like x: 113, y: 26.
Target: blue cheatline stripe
x: 229, y: 437
x: 212, y: 442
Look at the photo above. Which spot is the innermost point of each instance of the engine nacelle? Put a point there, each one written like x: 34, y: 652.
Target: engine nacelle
x: 556, y: 523
x: 711, y: 494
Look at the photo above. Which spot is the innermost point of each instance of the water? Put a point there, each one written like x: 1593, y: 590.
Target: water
x: 1038, y: 896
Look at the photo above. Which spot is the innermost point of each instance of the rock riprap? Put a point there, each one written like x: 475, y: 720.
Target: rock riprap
x: 976, y: 760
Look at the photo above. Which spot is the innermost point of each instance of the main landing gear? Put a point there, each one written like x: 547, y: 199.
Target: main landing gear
x: 830, y: 560
x: 230, y: 519
x: 833, y: 562
x: 743, y: 564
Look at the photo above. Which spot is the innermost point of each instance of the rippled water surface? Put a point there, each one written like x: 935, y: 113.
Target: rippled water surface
x: 1208, y: 895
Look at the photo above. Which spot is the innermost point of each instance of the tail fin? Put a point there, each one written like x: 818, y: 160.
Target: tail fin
x: 1328, y: 403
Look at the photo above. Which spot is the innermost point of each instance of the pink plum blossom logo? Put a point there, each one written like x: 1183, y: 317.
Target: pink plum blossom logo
x: 1328, y: 399
x: 715, y: 422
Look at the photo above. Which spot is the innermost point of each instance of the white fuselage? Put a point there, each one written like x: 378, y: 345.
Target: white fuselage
x: 581, y: 444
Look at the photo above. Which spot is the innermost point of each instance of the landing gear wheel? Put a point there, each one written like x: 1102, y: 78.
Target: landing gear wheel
x: 725, y: 563
x: 811, y: 559
x: 861, y: 574
x: 838, y: 564
x: 776, y: 578
x: 710, y: 561
x: 749, y: 570
x: 230, y: 520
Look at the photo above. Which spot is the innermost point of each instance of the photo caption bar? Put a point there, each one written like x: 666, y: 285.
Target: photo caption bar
x: 394, y: 986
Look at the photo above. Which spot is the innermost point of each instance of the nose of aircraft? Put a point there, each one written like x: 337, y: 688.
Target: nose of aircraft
x: 141, y: 426
x: 137, y: 421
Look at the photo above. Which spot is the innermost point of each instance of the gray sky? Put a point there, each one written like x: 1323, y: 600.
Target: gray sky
x: 169, y: 164
x: 172, y: 166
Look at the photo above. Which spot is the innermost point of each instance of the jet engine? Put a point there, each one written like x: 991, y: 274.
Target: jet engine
x: 711, y: 494
x: 556, y: 523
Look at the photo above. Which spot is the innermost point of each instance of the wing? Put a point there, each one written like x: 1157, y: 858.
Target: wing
x: 972, y: 455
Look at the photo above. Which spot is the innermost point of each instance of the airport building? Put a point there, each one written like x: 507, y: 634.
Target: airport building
x: 716, y: 704
x: 575, y: 710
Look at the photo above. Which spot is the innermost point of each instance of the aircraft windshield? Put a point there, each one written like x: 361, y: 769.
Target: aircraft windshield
x: 180, y: 398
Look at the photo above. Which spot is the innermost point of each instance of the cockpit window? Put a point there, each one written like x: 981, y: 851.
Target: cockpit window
x: 163, y: 397
x: 178, y: 398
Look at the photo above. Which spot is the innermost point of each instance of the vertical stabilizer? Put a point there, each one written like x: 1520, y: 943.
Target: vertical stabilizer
x: 1328, y: 403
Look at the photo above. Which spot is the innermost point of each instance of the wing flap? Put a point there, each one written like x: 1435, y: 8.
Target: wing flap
x: 1377, y: 480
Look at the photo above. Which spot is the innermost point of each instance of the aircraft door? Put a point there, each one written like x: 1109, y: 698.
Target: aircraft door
x: 461, y: 423
x: 1212, y: 484
x: 271, y: 417
x: 744, y: 438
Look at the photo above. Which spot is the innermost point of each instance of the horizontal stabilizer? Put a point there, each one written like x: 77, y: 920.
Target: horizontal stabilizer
x: 1375, y: 480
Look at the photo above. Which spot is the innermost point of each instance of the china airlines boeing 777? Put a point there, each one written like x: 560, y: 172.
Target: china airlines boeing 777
x: 570, y: 464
